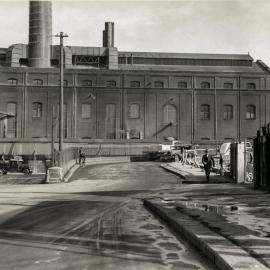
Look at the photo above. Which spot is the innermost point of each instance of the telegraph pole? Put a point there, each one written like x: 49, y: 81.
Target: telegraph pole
x: 61, y: 97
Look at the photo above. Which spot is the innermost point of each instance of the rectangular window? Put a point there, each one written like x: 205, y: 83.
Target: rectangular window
x: 111, y: 83
x: 135, y: 84
x: 134, y: 111
x: 228, y: 85
x: 12, y: 81
x: 158, y: 84
x: 36, y: 109
x: 86, y: 110
x: 65, y: 82
x: 251, y: 112
x: 205, y: 112
x: 251, y: 86
x: 228, y: 112
x: 37, y: 82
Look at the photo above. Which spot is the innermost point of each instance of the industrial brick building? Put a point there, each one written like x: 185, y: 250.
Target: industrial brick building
x: 112, y: 95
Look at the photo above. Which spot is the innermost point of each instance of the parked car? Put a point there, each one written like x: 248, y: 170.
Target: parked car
x: 14, y: 165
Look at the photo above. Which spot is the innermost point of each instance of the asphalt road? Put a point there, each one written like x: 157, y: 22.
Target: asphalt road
x: 95, y: 222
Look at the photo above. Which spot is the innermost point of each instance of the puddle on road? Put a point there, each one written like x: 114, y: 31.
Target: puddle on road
x: 240, y: 214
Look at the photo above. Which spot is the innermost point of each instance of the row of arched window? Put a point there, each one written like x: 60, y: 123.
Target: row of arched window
x: 137, y: 84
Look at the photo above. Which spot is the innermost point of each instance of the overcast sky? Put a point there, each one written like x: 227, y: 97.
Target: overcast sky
x: 217, y: 26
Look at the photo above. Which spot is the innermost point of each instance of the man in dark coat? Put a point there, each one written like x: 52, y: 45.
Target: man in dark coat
x: 208, y: 162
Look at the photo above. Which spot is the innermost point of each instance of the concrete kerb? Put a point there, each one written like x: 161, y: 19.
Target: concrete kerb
x: 219, y: 250
x: 72, y: 166
x: 185, y: 177
x: 95, y: 161
x: 174, y: 171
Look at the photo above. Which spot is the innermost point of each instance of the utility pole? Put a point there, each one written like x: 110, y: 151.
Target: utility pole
x: 61, y: 97
x: 216, y: 116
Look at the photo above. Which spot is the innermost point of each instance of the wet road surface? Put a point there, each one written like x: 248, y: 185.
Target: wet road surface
x: 95, y: 222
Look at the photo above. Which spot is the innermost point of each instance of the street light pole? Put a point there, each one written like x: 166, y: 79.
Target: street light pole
x: 61, y: 97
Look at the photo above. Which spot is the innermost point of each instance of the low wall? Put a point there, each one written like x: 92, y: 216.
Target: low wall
x: 42, y: 150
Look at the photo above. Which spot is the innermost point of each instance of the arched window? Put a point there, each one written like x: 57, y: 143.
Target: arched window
x: 169, y: 114
x: 182, y: 85
x: 111, y: 83
x: 251, y: 112
x: 205, y: 85
x: 87, y: 83
x: 12, y: 120
x: 158, y: 84
x: 12, y: 81
x: 36, y: 110
x: 251, y: 86
x: 37, y: 82
x: 205, y: 112
x: 86, y: 110
x: 134, y: 111
x: 228, y: 85
x: 135, y: 84
x: 227, y: 112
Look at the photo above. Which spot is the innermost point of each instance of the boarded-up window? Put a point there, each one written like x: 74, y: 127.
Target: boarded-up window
x: 251, y: 112
x: 110, y: 121
x: 86, y: 110
x: 228, y: 112
x: 169, y: 114
x: 205, y: 112
x: 36, y: 109
x: 134, y: 110
x: 12, y: 121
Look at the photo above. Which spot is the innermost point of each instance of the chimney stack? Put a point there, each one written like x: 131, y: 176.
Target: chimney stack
x: 40, y: 34
x: 108, y: 35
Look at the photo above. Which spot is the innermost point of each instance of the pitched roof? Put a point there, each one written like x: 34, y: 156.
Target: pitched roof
x: 187, y: 55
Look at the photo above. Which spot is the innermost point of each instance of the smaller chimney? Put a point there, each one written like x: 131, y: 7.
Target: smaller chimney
x: 108, y: 35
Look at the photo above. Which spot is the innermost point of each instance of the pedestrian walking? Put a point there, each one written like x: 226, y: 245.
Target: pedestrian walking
x: 82, y: 157
x: 221, y: 170
x: 208, y: 162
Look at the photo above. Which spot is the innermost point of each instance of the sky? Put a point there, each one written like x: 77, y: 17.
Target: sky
x: 183, y: 26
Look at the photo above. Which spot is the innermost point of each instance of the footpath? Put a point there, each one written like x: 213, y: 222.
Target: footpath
x: 228, y: 222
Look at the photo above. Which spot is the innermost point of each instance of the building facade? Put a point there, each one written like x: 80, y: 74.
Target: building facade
x: 111, y: 95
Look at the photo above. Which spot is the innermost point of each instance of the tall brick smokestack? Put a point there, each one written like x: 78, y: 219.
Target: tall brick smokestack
x: 108, y: 35
x: 40, y: 33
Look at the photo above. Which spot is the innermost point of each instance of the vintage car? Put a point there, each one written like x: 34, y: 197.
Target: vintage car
x: 14, y: 165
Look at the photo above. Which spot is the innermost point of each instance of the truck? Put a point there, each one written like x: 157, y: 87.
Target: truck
x: 168, y: 151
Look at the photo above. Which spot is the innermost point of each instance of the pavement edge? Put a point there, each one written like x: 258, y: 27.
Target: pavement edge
x: 188, y: 229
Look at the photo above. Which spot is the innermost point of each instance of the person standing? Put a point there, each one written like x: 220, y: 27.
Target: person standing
x: 208, y: 162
